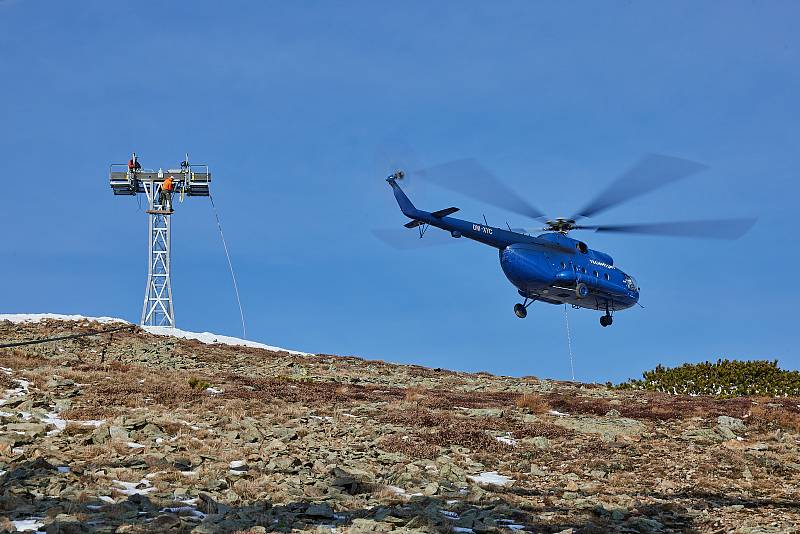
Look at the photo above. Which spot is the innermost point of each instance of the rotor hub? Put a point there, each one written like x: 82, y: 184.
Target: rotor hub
x: 560, y: 224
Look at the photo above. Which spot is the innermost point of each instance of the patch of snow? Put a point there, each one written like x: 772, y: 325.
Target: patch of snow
x: 188, y: 473
x: 134, y: 445
x: 63, y: 469
x: 89, y: 422
x: 106, y: 498
x: 94, y: 507
x: 462, y: 529
x: 131, y: 488
x: 6, y: 414
x: 22, y: 389
x: 203, y: 337
x: 32, y: 524
x: 556, y: 412
x: 508, y: 440
x: 17, y: 318
x: 52, y: 418
x: 214, y: 391
x: 237, y: 464
x: 491, y: 477
x: 510, y: 524
x: 209, y: 338
x: 396, y: 490
x: 449, y: 514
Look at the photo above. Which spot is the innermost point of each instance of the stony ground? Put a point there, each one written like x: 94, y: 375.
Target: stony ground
x: 143, y: 433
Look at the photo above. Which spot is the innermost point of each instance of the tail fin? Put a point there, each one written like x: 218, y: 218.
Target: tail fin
x: 408, y: 209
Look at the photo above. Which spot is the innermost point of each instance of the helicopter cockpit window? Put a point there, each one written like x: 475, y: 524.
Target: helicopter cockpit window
x: 563, y: 265
x: 582, y: 247
x: 630, y: 283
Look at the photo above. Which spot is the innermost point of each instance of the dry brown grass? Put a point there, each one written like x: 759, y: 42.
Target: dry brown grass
x: 770, y: 416
x: 426, y: 419
x: 18, y: 359
x: 533, y: 403
x: 6, y: 382
x: 653, y: 406
x: 89, y: 413
x: 428, y: 429
x: 414, y: 395
x: 412, y: 447
x: 76, y: 429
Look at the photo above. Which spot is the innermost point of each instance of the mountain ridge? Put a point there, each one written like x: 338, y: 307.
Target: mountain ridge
x: 136, y: 432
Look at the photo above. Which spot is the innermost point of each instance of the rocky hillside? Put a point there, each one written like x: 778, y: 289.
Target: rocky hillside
x: 134, y: 432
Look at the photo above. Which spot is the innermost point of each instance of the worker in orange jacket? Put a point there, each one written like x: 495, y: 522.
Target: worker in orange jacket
x: 166, y: 194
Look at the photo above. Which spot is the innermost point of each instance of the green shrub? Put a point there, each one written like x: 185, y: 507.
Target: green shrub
x: 196, y: 383
x: 727, y: 378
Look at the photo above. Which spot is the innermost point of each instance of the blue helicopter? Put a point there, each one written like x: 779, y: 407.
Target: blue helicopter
x: 552, y: 267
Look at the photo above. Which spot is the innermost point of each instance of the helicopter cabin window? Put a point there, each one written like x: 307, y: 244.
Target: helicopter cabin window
x: 596, y: 275
x: 583, y: 270
x: 607, y: 277
x: 563, y: 265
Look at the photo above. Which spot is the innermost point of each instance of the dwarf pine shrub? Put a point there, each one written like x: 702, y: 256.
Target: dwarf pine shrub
x: 196, y: 383
x: 727, y: 378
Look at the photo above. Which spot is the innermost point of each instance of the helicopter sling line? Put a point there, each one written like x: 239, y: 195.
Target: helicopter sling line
x: 569, y: 343
x: 230, y: 265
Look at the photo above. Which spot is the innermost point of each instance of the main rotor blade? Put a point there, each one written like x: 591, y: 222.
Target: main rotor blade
x: 712, y: 229
x: 409, y: 239
x: 470, y: 178
x: 528, y: 231
x: 650, y: 173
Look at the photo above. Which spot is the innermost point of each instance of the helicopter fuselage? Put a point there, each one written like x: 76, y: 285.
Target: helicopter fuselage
x: 551, y: 267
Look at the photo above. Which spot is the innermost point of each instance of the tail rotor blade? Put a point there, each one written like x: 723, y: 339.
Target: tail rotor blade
x: 393, y: 156
x: 470, y: 178
x: 711, y: 229
x: 650, y: 173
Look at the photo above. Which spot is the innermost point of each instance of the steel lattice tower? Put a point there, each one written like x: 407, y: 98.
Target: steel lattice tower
x: 157, y: 309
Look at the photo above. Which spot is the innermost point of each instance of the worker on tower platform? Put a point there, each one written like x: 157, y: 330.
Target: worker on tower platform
x: 166, y: 194
x: 133, y: 164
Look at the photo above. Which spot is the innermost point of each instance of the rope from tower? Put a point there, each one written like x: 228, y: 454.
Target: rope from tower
x: 71, y: 336
x: 230, y: 265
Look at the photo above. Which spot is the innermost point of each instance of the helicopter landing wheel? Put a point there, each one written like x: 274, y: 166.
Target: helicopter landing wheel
x: 581, y: 290
x: 606, y: 320
x: 520, y: 310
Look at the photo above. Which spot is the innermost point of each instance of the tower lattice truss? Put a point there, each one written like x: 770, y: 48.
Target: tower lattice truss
x: 190, y: 181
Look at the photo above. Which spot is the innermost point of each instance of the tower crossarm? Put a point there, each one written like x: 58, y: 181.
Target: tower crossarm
x: 192, y: 180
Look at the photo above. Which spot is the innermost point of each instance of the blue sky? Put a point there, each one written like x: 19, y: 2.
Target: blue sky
x: 289, y: 102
